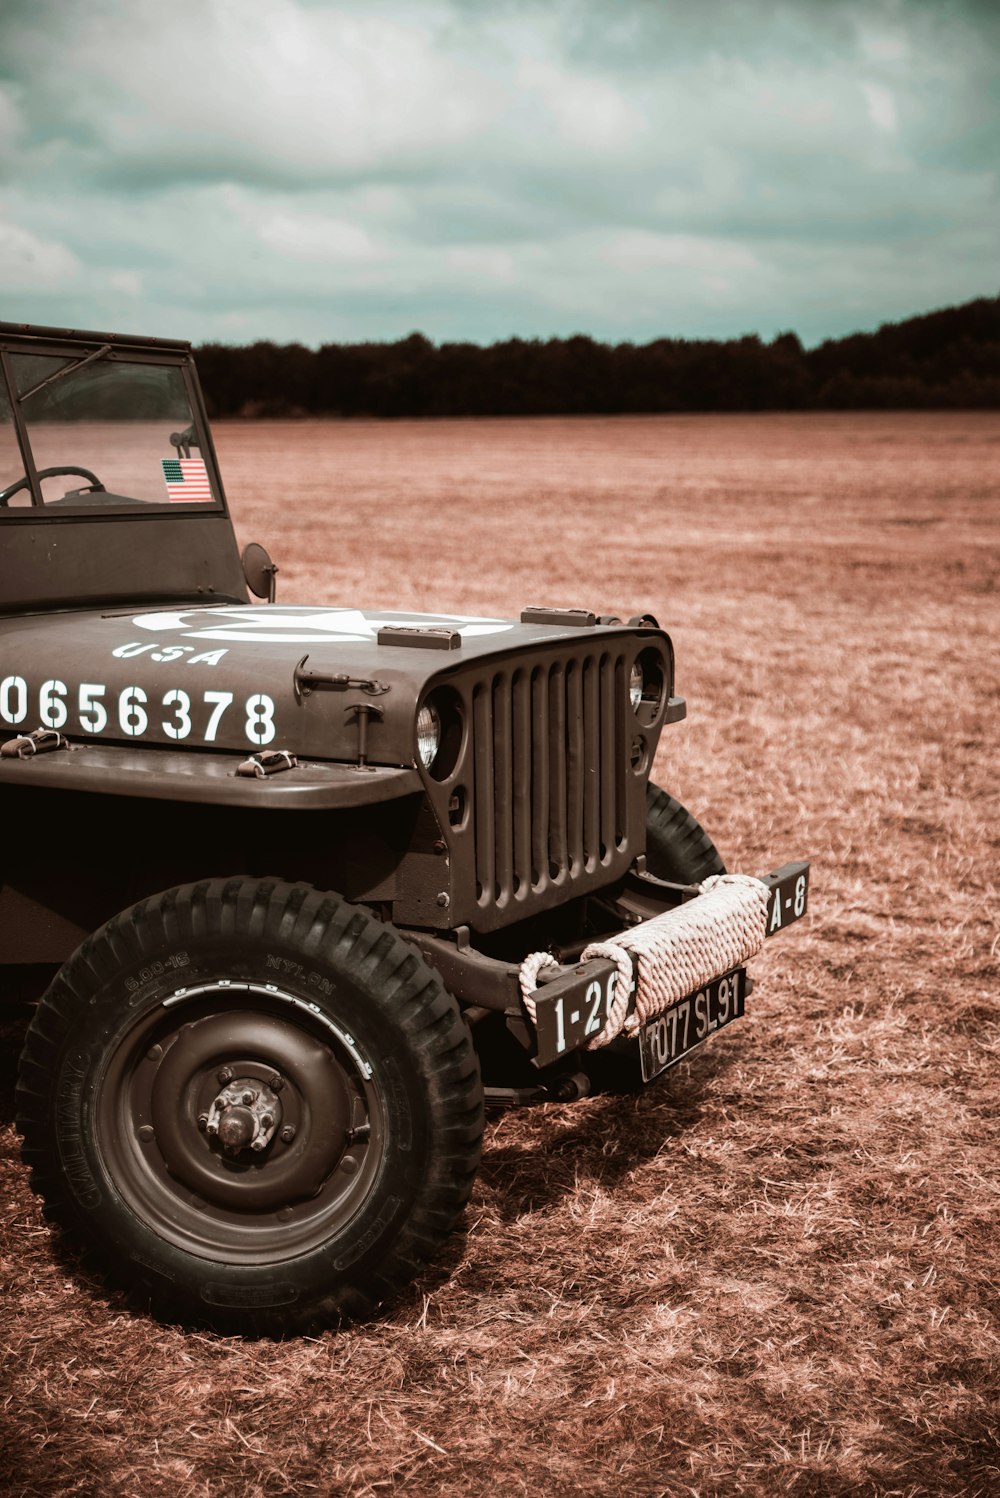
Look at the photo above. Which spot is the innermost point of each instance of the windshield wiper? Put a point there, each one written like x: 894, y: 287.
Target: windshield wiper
x: 67, y: 369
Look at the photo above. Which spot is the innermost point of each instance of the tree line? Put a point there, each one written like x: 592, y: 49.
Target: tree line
x: 949, y: 358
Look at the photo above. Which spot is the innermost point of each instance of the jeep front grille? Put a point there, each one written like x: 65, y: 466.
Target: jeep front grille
x: 551, y: 771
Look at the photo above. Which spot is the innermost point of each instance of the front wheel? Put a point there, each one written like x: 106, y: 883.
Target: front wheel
x: 256, y: 1101
x: 677, y: 846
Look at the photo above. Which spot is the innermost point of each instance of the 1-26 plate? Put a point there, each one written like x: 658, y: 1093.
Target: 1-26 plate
x: 664, y: 1040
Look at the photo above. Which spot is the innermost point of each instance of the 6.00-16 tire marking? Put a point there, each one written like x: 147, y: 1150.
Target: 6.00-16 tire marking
x: 132, y: 709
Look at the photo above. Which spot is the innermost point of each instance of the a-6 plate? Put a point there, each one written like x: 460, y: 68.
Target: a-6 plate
x: 668, y: 1037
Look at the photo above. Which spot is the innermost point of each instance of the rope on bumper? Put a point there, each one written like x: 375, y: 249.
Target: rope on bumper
x: 675, y: 953
x: 528, y: 978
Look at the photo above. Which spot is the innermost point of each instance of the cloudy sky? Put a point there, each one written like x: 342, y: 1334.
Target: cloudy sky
x: 345, y: 169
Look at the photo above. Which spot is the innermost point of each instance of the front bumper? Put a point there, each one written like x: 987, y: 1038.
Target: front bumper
x: 572, y: 1000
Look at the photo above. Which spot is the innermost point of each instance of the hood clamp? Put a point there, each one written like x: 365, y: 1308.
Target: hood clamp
x: 574, y: 618
x: 268, y: 762
x: 307, y: 682
x: 27, y: 745
x: 363, y: 712
x: 419, y: 636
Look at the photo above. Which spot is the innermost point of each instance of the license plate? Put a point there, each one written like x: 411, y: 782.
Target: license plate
x: 664, y: 1040
x: 788, y: 896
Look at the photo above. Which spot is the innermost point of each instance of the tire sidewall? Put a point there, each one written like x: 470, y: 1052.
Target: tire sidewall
x: 134, y: 992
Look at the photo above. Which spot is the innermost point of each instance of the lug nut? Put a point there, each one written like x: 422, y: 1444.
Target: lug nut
x: 248, y: 1098
x: 203, y: 1121
x: 275, y: 1082
x: 258, y: 1145
x: 287, y: 1134
x: 225, y: 1075
x: 212, y: 1128
x: 266, y: 1120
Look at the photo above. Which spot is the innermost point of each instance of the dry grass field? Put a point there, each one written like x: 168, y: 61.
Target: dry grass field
x: 776, y: 1271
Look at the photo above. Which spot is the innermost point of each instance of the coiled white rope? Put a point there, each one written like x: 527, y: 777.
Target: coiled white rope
x: 676, y: 952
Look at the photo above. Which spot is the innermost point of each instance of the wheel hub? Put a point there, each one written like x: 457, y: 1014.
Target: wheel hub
x: 246, y: 1113
x: 239, y: 1145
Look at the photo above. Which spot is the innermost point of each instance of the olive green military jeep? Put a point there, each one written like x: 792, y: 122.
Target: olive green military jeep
x: 314, y: 883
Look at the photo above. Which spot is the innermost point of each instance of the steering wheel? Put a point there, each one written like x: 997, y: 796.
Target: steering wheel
x: 51, y: 473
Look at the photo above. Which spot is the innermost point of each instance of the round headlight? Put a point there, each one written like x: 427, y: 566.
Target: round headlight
x: 647, y: 685
x: 428, y: 734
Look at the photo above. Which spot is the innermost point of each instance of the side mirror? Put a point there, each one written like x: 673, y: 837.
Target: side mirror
x: 259, y: 571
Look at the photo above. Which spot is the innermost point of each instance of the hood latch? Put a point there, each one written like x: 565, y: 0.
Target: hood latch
x: 307, y: 682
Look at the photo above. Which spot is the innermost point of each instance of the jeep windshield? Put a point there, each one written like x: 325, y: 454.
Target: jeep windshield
x: 99, y: 429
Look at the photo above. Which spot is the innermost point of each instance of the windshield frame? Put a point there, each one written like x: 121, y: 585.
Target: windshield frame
x: 84, y: 351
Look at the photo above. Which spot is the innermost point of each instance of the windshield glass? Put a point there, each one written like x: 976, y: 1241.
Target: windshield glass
x: 11, y: 464
x: 105, y: 432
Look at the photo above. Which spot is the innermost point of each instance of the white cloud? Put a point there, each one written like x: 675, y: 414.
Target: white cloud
x: 329, y: 241
x: 482, y: 262
x: 638, y: 251
x: 882, y: 44
x: 322, y: 169
x: 586, y: 111
x: 128, y: 282
x: 28, y: 263
x: 267, y: 84
x: 11, y: 124
x: 881, y: 107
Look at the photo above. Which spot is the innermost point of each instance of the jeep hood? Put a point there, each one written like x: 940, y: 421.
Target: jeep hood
x: 234, y: 678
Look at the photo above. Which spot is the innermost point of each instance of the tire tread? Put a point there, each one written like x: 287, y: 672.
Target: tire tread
x: 677, y: 846
x: 371, y: 952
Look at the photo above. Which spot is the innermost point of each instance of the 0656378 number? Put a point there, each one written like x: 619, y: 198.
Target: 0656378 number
x: 133, y: 712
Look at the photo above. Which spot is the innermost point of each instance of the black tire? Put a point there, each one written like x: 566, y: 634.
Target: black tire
x: 677, y: 846
x: 342, y: 1177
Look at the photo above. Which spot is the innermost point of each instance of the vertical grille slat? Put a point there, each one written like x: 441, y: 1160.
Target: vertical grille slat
x: 609, y: 789
x: 591, y: 763
x: 522, y: 781
x: 482, y: 716
x: 557, y: 768
x: 539, y: 776
x: 575, y: 766
x: 503, y: 788
x: 621, y: 763
x: 551, y: 776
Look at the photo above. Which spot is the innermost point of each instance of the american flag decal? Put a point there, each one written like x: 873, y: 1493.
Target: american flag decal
x: 186, y: 479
